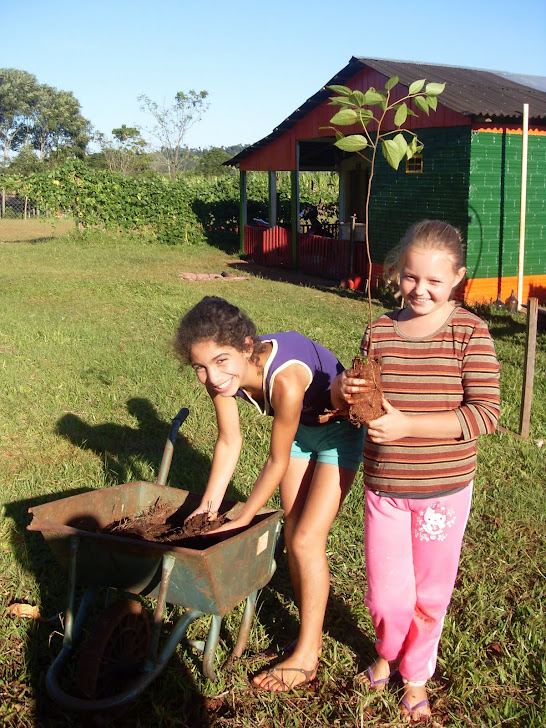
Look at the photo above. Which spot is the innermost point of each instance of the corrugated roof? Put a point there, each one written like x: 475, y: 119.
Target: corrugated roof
x: 475, y: 93
x: 470, y: 91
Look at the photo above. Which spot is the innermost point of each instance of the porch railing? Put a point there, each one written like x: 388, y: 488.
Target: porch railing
x: 323, y: 257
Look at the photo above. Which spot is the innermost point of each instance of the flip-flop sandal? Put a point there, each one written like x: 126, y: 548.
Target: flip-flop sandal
x: 412, y: 708
x: 367, y: 679
x: 309, y: 675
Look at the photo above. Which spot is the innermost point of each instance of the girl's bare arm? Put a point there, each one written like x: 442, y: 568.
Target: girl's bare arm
x: 226, y: 453
x: 287, y: 402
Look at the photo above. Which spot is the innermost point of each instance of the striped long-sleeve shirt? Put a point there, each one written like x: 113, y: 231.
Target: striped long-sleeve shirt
x: 453, y: 369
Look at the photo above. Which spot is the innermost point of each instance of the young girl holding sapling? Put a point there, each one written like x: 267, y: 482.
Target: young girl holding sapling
x: 287, y: 376
x: 441, y: 391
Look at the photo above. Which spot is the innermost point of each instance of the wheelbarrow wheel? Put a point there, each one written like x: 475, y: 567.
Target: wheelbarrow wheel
x: 113, y: 651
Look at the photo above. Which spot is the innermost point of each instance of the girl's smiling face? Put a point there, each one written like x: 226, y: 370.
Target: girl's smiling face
x: 427, y: 280
x: 221, y: 368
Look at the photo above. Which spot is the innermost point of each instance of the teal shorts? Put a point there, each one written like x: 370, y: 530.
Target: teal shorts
x: 337, y: 443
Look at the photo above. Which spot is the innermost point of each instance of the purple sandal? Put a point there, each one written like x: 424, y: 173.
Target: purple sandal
x: 366, y: 678
x: 412, y: 708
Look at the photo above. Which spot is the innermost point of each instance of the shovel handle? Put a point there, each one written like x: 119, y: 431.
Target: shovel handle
x: 169, y: 446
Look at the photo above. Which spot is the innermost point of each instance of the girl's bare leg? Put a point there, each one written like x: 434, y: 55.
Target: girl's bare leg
x: 311, y: 497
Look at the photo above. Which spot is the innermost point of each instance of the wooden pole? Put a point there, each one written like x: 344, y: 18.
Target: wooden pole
x: 242, y: 211
x: 272, y: 214
x: 529, y: 367
x: 523, y: 204
x: 295, y: 213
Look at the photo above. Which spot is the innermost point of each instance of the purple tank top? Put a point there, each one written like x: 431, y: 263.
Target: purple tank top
x: 291, y: 347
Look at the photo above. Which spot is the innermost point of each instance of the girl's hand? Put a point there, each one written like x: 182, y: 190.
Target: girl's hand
x: 202, y: 509
x: 237, y: 523
x: 394, y: 425
x: 349, y: 384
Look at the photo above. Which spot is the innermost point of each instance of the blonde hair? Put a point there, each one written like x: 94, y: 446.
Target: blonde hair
x: 426, y: 235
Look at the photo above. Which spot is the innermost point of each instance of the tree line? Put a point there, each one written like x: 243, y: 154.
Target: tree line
x: 40, y: 127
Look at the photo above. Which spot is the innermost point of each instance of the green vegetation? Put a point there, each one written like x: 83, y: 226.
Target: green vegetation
x: 39, y: 118
x: 89, y: 389
x: 185, y: 211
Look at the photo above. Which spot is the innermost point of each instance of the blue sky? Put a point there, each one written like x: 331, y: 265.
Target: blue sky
x: 258, y: 60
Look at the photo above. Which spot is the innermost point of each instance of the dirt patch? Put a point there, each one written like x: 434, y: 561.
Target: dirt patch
x: 366, y: 406
x: 224, y: 276
x: 160, y: 525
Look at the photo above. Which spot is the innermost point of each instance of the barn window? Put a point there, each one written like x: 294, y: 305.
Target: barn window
x: 415, y: 164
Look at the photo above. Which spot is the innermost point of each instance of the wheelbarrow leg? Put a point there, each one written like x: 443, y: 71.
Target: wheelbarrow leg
x: 166, y: 570
x: 244, y: 629
x: 210, y: 648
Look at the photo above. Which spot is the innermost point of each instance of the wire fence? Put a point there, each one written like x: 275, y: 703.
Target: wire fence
x: 21, y: 208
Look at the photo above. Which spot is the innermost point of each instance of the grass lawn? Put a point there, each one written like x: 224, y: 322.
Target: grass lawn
x: 89, y: 388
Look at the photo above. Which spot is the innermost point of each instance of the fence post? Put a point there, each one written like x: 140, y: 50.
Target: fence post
x: 529, y: 367
x: 3, y: 203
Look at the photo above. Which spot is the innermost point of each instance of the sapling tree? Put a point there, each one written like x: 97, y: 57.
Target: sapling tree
x: 171, y: 126
x: 369, y: 111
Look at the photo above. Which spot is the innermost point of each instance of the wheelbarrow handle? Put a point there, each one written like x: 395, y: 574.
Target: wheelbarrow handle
x: 176, y: 423
x: 169, y: 446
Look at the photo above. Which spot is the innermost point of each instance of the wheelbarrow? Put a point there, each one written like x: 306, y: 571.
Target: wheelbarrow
x: 122, y: 652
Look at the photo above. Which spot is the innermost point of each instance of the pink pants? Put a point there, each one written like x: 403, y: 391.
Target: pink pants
x: 412, y: 556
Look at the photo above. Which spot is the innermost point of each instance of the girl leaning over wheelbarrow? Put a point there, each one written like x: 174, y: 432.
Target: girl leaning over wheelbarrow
x: 287, y: 376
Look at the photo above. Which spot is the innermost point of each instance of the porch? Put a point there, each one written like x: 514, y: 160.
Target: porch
x: 330, y: 258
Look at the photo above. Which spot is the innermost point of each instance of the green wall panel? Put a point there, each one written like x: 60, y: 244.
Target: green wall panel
x: 494, y: 205
x: 440, y: 192
x: 472, y: 180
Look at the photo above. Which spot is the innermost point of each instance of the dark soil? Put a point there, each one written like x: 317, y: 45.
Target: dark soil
x: 366, y: 406
x: 160, y: 525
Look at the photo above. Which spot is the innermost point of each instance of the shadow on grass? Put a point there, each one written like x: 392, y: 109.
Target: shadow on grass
x: 299, y: 278
x: 131, y: 453
x: 29, y: 241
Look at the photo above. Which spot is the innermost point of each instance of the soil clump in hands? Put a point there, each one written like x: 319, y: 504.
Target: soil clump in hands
x: 366, y: 405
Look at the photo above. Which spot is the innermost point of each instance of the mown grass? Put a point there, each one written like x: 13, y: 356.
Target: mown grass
x: 89, y: 389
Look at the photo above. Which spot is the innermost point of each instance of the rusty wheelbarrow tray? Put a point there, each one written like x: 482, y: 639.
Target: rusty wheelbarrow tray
x: 211, y: 581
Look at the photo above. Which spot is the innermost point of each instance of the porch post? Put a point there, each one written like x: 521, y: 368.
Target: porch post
x: 295, y: 206
x: 272, y: 214
x: 242, y: 211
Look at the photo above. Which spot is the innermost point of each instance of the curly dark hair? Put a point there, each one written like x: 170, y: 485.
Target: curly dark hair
x: 214, y: 318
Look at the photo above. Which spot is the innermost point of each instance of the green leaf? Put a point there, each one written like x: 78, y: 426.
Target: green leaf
x: 421, y: 103
x: 340, y: 101
x: 345, y: 117
x: 413, y: 144
x: 401, y: 143
x: 341, y: 90
x: 358, y: 98
x: 401, y: 115
x: 432, y: 101
x: 416, y: 86
x: 391, y: 152
x: 373, y: 97
x: 365, y: 115
x: 433, y: 89
x: 352, y: 143
x: 391, y: 83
